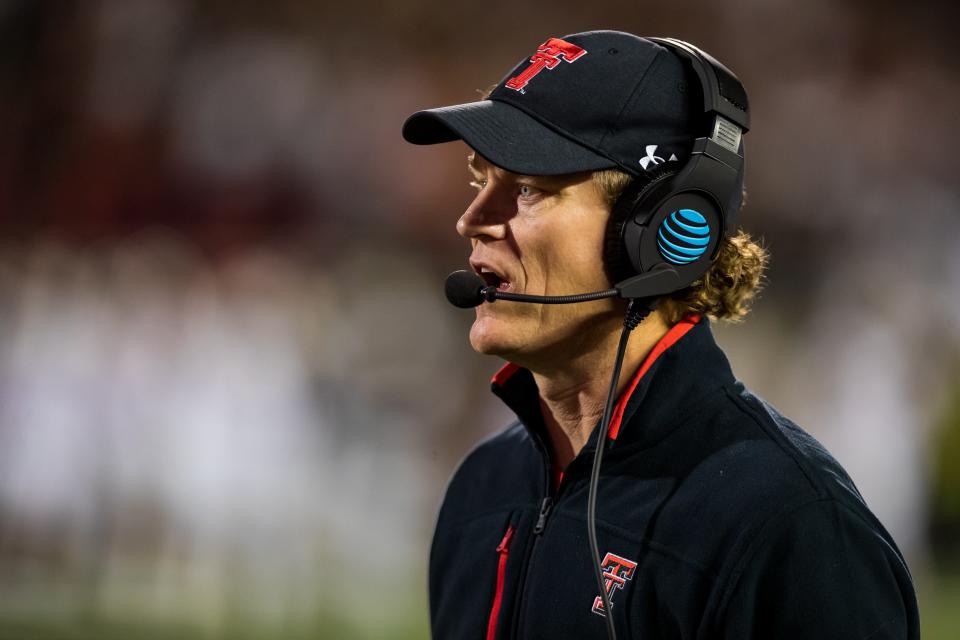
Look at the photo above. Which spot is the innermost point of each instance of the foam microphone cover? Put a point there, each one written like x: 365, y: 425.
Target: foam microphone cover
x: 464, y: 289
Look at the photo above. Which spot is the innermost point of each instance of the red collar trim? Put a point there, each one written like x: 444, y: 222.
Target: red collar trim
x: 500, y: 377
x: 670, y: 338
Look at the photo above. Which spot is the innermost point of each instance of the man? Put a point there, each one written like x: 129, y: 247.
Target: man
x: 716, y: 516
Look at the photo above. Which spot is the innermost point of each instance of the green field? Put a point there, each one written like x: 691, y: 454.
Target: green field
x: 407, y: 620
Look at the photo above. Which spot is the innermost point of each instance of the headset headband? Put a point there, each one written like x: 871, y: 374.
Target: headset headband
x: 724, y: 102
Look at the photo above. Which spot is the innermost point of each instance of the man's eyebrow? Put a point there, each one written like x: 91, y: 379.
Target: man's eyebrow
x: 472, y: 164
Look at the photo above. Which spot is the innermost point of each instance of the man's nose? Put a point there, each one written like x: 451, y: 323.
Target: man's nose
x: 486, y: 216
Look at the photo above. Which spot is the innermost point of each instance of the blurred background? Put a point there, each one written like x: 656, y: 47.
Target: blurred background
x: 231, y: 390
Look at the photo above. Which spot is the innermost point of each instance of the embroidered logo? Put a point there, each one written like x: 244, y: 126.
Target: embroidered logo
x: 548, y: 55
x: 654, y: 160
x: 650, y: 157
x: 616, y: 572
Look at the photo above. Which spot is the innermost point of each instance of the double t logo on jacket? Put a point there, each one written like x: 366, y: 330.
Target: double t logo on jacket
x: 616, y: 572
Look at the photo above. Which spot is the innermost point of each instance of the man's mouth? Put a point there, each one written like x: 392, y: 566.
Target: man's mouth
x: 493, y: 279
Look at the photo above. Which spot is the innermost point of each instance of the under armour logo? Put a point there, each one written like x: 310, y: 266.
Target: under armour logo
x: 548, y: 55
x: 655, y: 160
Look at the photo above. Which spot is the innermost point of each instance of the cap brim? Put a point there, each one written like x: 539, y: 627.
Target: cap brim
x: 506, y: 136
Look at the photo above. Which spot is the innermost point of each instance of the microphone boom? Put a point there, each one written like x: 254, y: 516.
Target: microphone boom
x: 492, y: 292
x: 466, y: 290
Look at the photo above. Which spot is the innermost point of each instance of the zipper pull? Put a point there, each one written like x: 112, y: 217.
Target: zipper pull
x: 504, y: 545
x: 544, y: 512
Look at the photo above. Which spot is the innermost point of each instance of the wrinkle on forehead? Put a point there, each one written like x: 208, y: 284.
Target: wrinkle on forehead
x: 477, y: 165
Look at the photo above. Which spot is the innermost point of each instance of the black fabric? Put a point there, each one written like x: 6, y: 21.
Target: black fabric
x: 741, y: 525
x: 601, y: 110
x: 507, y: 137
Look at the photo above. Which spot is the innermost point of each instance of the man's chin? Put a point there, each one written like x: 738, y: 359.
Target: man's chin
x: 493, y: 337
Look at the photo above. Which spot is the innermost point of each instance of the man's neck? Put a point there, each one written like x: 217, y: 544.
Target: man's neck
x: 573, y: 394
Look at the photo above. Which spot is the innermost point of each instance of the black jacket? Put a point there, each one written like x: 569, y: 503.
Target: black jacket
x: 717, y: 517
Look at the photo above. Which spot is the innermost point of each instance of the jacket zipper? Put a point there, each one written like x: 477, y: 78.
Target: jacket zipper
x: 504, y: 550
x: 546, y: 504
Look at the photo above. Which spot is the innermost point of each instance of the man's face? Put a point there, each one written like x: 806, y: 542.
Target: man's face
x: 539, y: 235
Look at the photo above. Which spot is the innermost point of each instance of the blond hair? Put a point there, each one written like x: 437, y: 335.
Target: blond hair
x: 727, y: 289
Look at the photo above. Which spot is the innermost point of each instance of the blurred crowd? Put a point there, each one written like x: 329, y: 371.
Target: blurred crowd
x: 231, y: 391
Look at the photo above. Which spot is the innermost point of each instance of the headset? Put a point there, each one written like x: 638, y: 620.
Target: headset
x: 677, y: 218
x: 666, y: 227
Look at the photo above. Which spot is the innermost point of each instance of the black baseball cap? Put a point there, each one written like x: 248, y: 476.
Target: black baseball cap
x: 582, y: 102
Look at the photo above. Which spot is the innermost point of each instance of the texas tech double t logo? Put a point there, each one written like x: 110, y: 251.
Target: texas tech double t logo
x: 548, y: 55
x: 616, y: 572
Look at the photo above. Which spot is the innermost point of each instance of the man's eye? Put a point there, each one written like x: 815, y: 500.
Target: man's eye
x: 478, y: 184
x: 526, y: 191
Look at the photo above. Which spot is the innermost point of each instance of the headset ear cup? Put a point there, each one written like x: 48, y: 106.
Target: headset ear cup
x: 616, y: 259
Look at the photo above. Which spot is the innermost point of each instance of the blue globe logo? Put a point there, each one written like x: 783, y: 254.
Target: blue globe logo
x: 683, y: 236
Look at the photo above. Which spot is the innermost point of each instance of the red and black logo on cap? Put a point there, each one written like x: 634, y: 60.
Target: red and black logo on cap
x: 548, y: 56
